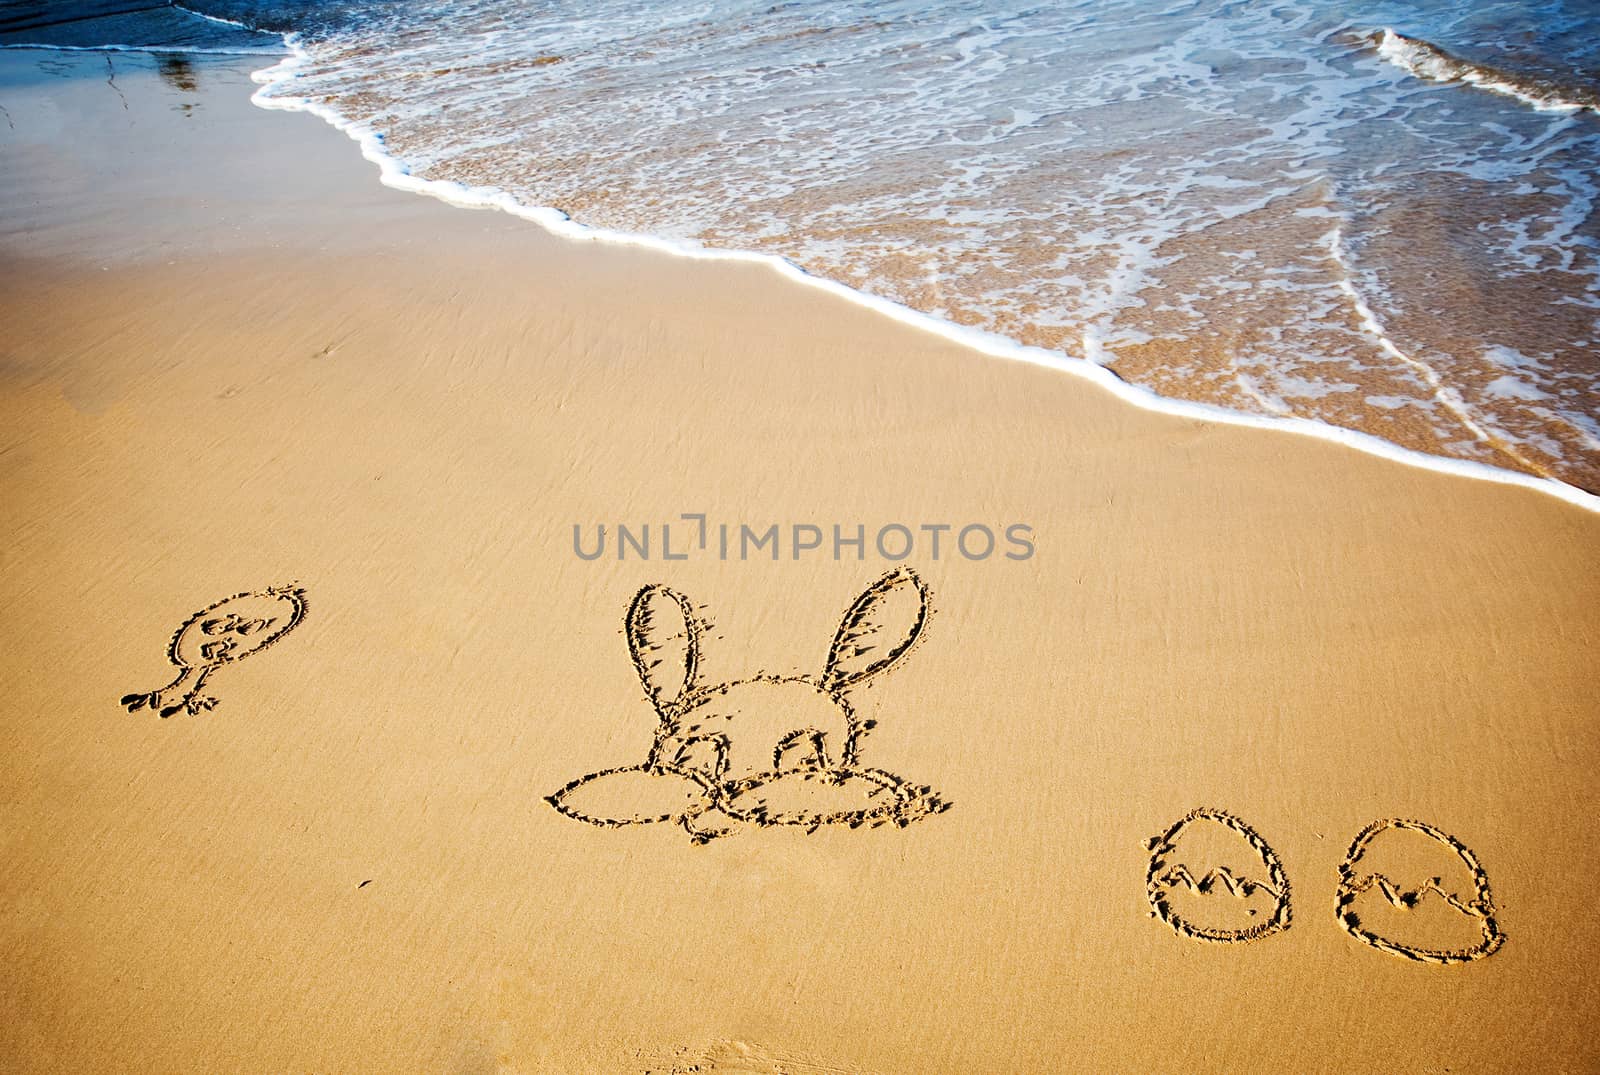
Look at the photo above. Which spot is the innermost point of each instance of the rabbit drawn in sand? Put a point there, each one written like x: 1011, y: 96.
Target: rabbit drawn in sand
x: 769, y: 750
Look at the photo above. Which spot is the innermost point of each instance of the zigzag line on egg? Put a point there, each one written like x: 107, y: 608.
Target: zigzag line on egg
x: 1408, y: 899
x: 1242, y: 887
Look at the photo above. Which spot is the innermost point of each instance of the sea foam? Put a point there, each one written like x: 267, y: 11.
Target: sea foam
x: 276, y: 92
x: 942, y: 182
x: 1426, y: 60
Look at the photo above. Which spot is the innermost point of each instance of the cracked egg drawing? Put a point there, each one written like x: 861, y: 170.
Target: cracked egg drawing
x: 1213, y: 878
x: 1441, y: 909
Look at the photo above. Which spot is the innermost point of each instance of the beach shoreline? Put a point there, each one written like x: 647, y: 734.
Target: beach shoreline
x: 232, y: 363
x: 277, y: 83
x: 1489, y: 452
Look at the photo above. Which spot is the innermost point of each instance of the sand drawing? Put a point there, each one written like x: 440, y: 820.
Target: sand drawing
x: 221, y: 633
x: 1466, y: 930
x: 765, y: 751
x: 1209, y: 901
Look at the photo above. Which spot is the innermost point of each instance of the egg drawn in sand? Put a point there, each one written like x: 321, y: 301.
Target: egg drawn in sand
x: 1213, y: 878
x: 1448, y: 918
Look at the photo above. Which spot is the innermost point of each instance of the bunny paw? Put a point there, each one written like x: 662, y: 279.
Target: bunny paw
x: 634, y: 795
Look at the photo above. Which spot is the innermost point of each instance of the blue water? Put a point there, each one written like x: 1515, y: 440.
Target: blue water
x: 1380, y: 216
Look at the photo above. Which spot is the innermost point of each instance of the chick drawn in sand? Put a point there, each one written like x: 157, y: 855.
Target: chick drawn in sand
x: 1448, y: 918
x: 1213, y: 878
x: 765, y: 751
x: 221, y: 633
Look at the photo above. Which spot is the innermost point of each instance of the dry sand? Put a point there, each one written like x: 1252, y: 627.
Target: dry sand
x: 229, y: 360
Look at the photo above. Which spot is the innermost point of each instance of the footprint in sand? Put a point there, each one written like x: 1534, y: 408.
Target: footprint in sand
x: 1213, y: 878
x: 219, y: 634
x: 1448, y: 918
x: 764, y: 751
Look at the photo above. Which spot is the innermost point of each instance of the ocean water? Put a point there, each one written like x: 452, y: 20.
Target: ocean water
x: 1380, y: 216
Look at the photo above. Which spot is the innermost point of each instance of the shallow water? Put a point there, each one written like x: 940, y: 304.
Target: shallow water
x: 1380, y: 218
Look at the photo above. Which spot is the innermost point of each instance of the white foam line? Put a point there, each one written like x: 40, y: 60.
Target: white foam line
x: 394, y: 174
x: 223, y: 21
x: 1448, y: 398
x: 1427, y: 62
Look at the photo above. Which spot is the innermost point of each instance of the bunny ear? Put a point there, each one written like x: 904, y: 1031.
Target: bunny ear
x: 664, y: 638
x: 881, y: 625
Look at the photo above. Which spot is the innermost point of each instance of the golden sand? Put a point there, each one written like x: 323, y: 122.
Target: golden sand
x: 349, y: 863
